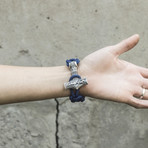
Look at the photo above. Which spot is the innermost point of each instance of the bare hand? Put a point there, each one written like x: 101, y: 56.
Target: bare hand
x: 114, y: 79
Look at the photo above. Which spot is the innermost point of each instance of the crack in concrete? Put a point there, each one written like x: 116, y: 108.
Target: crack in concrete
x: 57, y: 124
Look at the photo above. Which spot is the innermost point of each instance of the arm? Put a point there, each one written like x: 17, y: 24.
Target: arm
x: 108, y: 78
x: 19, y: 84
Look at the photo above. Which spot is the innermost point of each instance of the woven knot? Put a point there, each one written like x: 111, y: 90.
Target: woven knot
x: 74, y: 95
x: 71, y: 60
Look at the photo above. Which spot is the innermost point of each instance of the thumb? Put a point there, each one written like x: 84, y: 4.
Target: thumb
x: 125, y: 45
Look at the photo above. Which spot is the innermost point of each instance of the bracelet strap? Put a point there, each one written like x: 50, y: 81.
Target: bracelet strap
x: 71, y: 60
x: 74, y: 94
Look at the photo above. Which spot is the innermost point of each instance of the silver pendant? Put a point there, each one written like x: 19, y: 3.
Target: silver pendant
x: 75, y: 83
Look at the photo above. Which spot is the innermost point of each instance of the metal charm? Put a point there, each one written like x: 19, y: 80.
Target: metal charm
x: 76, y: 83
x: 73, y: 67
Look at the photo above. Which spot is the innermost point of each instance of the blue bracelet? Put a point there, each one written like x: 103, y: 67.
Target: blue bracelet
x: 71, y: 60
x: 74, y: 93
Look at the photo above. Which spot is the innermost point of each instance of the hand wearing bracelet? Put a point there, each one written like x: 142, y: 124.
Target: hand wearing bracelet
x: 108, y: 78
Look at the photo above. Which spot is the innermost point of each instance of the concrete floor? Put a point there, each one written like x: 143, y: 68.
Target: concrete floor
x: 45, y: 33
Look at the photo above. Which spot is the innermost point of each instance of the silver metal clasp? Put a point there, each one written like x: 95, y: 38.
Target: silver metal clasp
x: 73, y: 67
x: 75, y: 83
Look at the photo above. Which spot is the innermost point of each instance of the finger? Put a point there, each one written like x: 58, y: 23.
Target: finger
x: 145, y: 83
x: 145, y: 96
x: 143, y: 71
x: 125, y: 45
x: 138, y: 103
x: 144, y: 86
x: 139, y: 93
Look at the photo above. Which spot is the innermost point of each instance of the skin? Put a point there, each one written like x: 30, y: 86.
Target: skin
x: 108, y: 78
x: 113, y: 79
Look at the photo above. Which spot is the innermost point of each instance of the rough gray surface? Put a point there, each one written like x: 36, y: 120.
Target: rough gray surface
x: 102, y: 124
x: 27, y: 125
x: 45, y: 33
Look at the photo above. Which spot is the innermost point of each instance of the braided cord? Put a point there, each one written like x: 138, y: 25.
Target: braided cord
x: 70, y: 60
x: 74, y: 94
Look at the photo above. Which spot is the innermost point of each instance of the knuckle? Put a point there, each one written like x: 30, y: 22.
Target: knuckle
x: 127, y: 46
x: 127, y: 101
x: 112, y: 49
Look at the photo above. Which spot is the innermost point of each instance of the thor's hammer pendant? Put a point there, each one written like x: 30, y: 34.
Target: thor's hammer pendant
x: 75, y: 83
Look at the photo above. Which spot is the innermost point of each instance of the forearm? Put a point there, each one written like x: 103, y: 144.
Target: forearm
x: 19, y: 84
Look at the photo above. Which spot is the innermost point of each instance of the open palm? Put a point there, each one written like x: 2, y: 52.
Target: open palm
x: 114, y: 79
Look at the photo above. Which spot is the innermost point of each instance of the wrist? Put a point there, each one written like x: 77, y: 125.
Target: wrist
x: 75, y: 81
x: 82, y: 72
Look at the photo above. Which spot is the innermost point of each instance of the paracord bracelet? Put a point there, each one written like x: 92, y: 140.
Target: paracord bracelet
x: 75, y: 81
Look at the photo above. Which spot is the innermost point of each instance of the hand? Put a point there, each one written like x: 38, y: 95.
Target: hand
x: 114, y: 79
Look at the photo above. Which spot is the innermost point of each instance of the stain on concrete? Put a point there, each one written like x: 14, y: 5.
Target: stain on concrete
x: 48, y: 17
x: 24, y: 51
x: 116, y: 27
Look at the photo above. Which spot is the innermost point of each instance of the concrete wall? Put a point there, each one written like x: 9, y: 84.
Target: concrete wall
x: 45, y: 33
